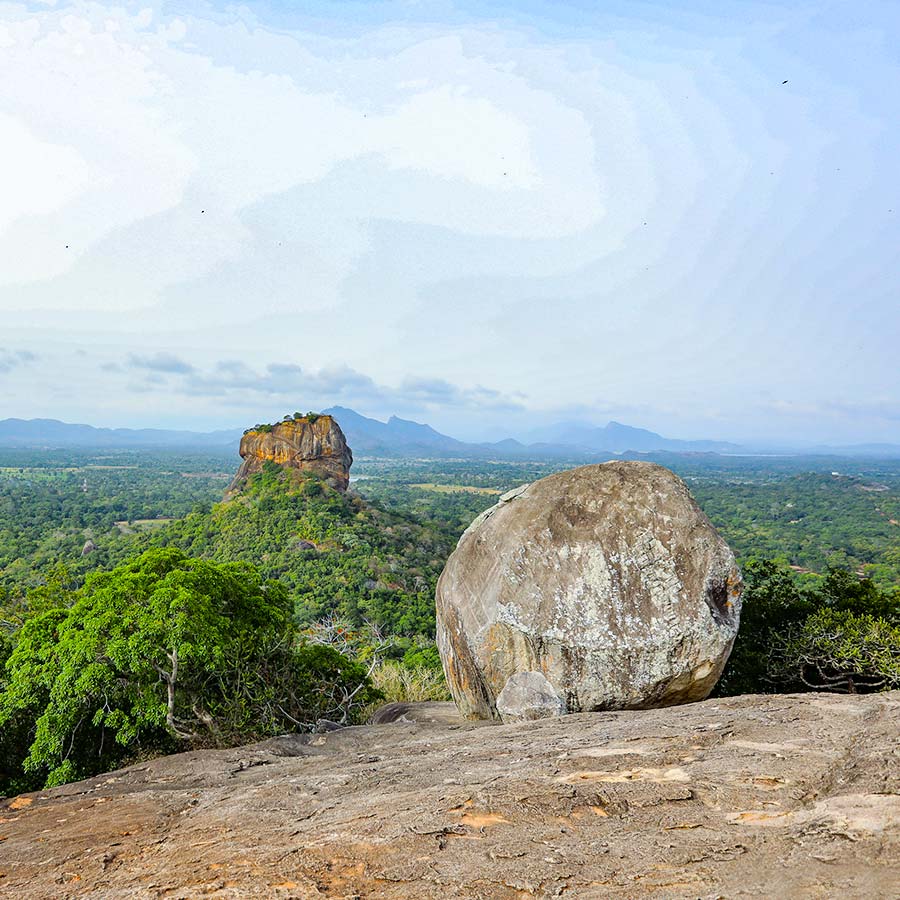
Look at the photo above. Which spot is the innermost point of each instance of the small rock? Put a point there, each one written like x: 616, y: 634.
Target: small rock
x: 528, y: 695
x: 324, y: 725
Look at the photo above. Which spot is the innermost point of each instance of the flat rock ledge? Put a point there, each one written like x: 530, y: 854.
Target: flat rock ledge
x: 756, y: 796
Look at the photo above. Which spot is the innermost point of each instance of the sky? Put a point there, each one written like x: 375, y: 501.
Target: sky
x: 486, y: 216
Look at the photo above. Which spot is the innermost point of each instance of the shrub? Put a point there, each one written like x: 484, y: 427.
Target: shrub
x: 842, y: 634
x: 397, y: 683
x: 331, y: 686
x: 842, y: 651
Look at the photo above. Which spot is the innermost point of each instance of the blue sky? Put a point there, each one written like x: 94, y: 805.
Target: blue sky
x: 684, y: 216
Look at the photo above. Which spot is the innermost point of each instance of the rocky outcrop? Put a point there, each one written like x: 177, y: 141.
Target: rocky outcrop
x: 311, y: 444
x: 775, y: 796
x: 603, y: 587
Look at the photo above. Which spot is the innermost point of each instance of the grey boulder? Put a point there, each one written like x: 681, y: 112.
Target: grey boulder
x: 602, y: 587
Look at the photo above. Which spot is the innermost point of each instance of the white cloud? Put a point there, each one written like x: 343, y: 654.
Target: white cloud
x: 91, y: 93
x: 237, y: 384
x: 36, y: 177
x: 129, y: 117
x: 614, y: 213
x: 161, y: 362
x: 449, y: 133
x: 14, y: 359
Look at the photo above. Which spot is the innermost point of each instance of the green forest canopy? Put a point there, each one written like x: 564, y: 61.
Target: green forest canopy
x: 231, y: 591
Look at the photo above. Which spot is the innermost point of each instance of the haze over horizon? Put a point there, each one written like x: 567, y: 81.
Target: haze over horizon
x: 683, y: 217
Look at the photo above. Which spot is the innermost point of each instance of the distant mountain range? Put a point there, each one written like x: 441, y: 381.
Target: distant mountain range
x: 399, y: 438
x: 51, y: 433
x: 617, y: 438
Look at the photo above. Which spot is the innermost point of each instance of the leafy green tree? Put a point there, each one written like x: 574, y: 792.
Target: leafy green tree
x: 161, y: 652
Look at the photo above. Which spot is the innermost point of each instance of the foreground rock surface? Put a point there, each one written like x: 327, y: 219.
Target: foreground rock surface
x: 307, y: 445
x: 603, y: 587
x: 777, y: 796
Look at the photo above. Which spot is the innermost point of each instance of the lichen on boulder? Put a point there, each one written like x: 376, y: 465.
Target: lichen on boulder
x: 313, y: 443
x: 603, y: 587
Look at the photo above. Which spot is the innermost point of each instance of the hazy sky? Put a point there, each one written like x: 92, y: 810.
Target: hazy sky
x: 684, y: 216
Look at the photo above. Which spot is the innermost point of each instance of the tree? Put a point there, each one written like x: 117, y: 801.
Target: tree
x: 161, y: 652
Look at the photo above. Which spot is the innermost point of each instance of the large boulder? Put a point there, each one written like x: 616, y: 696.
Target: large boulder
x: 603, y: 587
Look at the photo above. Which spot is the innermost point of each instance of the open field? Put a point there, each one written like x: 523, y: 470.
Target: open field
x: 127, y: 527
x: 457, y: 488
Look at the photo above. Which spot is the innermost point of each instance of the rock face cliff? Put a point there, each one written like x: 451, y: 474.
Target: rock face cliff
x: 603, y: 587
x: 774, y: 796
x: 311, y: 444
